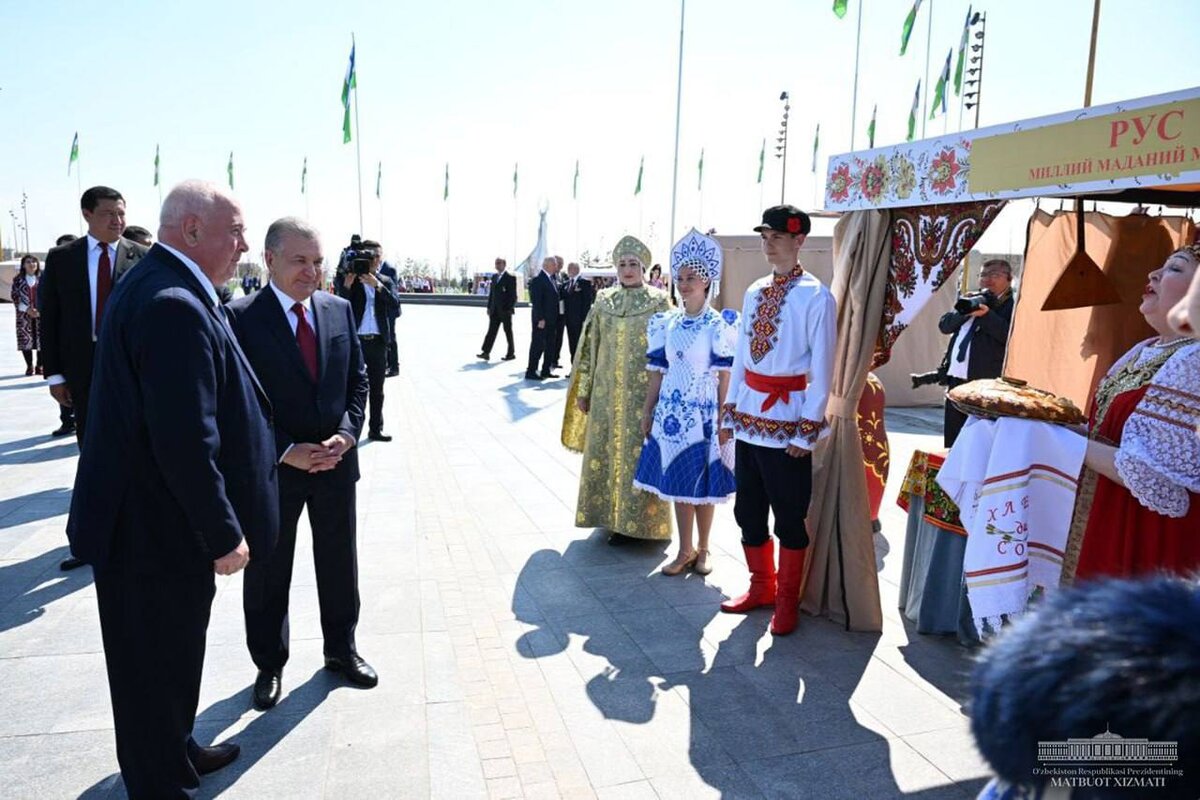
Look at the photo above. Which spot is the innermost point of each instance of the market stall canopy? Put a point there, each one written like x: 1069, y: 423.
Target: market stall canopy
x: 1145, y: 150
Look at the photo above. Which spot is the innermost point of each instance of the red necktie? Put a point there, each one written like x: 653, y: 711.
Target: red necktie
x: 306, y: 340
x: 103, y: 284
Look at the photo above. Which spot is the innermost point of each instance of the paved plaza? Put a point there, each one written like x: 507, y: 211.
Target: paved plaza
x: 518, y: 656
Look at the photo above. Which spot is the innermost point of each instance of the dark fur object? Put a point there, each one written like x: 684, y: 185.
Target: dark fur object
x: 1115, y: 655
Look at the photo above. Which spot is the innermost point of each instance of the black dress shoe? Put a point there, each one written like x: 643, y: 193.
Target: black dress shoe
x: 356, y: 670
x: 508, y: 357
x: 482, y: 356
x: 70, y: 562
x: 549, y: 375
x: 208, y: 760
x: 63, y: 430
x: 391, y: 373
x: 379, y: 436
x: 267, y: 688
x: 533, y: 376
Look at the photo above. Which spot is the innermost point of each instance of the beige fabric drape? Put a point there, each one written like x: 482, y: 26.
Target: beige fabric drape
x: 1082, y: 343
x: 841, y: 580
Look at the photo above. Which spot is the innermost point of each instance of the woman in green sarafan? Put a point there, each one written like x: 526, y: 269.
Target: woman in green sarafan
x: 604, y: 404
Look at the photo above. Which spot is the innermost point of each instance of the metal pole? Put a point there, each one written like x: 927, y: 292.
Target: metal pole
x: 928, y: 46
x: 982, y: 51
x: 358, y: 150
x: 25, y: 210
x: 678, y: 111
x: 783, y: 178
x: 1091, y: 68
x: 854, y: 101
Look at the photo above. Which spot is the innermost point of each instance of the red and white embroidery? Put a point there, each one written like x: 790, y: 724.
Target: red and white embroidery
x: 764, y: 328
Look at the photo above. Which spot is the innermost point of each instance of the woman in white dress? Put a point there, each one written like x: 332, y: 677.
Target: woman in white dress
x: 689, y: 354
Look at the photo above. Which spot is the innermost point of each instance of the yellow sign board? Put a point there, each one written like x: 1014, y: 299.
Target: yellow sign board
x: 1161, y: 141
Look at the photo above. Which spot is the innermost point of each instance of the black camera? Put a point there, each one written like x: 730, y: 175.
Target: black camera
x: 937, y: 376
x: 358, y: 262
x: 969, y: 303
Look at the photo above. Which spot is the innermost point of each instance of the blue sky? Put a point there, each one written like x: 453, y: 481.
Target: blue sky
x: 541, y: 83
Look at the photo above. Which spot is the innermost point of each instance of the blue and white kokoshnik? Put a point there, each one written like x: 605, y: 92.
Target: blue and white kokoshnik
x: 681, y: 459
x: 701, y: 253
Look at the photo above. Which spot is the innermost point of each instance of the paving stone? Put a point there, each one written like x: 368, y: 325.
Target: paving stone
x: 518, y: 655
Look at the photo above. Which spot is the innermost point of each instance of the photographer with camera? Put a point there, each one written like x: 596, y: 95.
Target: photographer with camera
x: 373, y: 299
x: 979, y: 323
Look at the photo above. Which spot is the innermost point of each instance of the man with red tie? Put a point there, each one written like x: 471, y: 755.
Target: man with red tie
x: 303, y: 347
x: 75, y: 286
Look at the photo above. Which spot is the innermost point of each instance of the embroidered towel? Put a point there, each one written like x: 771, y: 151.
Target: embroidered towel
x: 1014, y: 481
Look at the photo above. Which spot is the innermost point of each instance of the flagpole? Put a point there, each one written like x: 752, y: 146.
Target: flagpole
x: 1091, y: 67
x: 78, y: 188
x: 358, y: 142
x: 928, y: 47
x: 678, y: 111
x: 854, y: 101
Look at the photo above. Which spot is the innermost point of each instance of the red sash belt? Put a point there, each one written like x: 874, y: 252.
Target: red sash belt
x: 776, y: 387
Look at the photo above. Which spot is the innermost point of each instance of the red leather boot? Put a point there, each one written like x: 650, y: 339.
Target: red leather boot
x: 787, y: 596
x: 761, y: 561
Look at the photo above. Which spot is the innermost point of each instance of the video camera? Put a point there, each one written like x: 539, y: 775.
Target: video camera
x: 357, y: 260
x: 937, y: 376
x: 970, y: 303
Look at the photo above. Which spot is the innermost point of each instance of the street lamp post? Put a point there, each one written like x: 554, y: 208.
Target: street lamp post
x: 976, y: 70
x: 781, y: 146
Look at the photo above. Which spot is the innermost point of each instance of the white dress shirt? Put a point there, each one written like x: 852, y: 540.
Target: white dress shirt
x: 368, y: 326
x: 288, y: 302
x: 93, y: 266
x: 797, y: 336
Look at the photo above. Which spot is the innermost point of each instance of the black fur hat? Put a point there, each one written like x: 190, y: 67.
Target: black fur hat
x: 1120, y: 656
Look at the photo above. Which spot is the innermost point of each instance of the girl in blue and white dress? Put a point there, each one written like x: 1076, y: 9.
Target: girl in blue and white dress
x: 689, y: 353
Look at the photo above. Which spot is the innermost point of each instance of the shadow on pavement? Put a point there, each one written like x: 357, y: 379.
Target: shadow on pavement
x: 28, y: 587
x: 773, y: 723
x: 24, y: 451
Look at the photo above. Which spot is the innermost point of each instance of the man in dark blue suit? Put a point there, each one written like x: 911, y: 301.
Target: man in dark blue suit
x: 303, y: 347
x: 176, y: 481
x: 543, y: 300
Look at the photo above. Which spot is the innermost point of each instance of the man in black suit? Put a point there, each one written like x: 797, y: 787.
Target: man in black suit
x: 502, y: 302
x: 176, y: 481
x: 366, y: 288
x: 560, y: 283
x: 543, y: 300
x: 577, y: 301
x: 393, y: 352
x: 303, y: 348
x: 66, y: 414
x: 76, y: 284
x: 976, y: 350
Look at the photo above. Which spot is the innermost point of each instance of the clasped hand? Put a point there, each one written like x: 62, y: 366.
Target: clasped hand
x: 313, y: 458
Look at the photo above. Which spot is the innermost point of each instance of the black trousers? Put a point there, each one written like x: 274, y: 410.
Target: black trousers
x: 768, y: 479
x: 374, y: 350
x: 556, y: 349
x: 541, y: 348
x: 330, y: 498
x: 953, y: 419
x: 574, y: 329
x: 495, y: 321
x: 393, y: 349
x: 154, y: 627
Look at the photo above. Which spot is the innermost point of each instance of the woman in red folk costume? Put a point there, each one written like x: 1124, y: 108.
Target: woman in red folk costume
x: 775, y: 409
x: 1143, y: 457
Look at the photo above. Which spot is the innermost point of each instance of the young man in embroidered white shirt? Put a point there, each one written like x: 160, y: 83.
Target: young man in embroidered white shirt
x: 775, y: 409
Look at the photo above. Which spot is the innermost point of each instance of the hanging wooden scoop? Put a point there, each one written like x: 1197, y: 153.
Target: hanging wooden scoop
x: 1082, y: 282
